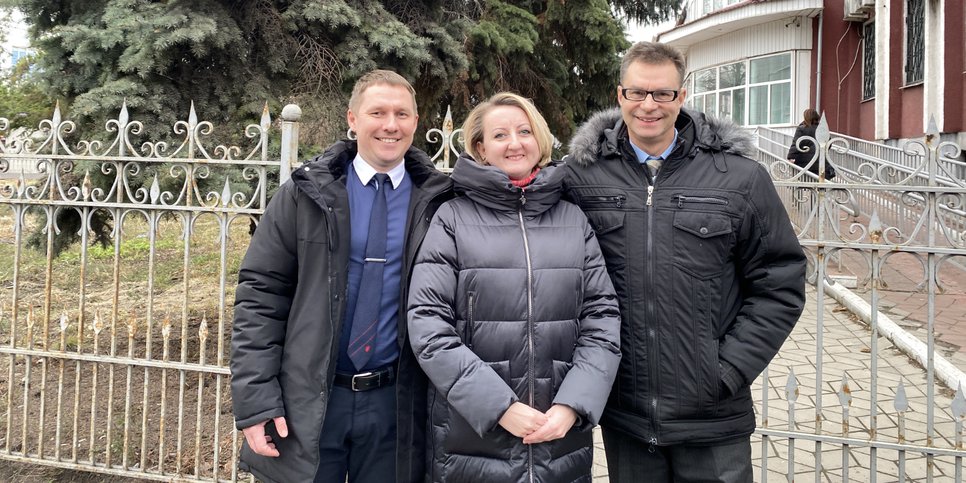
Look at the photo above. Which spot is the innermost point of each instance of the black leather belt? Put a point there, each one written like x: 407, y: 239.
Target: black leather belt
x: 367, y: 380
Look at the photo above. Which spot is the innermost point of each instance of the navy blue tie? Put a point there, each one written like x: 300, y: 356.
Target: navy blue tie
x: 365, y: 322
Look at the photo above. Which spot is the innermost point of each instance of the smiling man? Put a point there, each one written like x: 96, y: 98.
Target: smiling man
x: 708, y: 272
x: 324, y: 383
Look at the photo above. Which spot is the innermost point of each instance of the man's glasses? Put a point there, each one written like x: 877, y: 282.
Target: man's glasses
x: 660, y: 95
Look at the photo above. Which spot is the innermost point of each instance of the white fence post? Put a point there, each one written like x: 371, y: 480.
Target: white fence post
x: 291, y: 114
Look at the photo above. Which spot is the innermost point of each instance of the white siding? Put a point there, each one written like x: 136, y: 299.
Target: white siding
x: 754, y: 41
x: 769, y: 7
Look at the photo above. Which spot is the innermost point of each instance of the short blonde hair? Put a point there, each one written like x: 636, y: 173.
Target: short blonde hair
x: 473, y: 126
x: 376, y: 77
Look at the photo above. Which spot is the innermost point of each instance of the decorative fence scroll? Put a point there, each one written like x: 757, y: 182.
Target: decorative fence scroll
x: 113, y: 348
x: 885, y: 206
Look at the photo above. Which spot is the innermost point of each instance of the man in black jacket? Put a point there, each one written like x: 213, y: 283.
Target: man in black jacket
x: 708, y: 272
x: 324, y: 382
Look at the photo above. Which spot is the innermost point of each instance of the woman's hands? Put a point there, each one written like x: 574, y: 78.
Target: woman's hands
x: 521, y: 420
x: 534, y: 426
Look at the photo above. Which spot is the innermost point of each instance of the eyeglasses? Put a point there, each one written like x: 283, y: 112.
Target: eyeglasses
x: 660, y: 95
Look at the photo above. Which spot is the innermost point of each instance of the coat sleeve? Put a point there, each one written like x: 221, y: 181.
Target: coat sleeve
x: 266, y: 284
x: 587, y: 385
x: 771, y: 273
x: 471, y: 387
x: 793, y: 151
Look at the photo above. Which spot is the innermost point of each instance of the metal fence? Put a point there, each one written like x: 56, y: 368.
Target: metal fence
x: 113, y: 348
x: 884, y: 204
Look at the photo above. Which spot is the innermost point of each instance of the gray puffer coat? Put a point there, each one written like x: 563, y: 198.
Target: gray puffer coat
x: 510, y: 301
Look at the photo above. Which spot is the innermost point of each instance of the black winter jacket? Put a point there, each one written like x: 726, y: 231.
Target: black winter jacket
x: 807, y: 156
x: 510, y: 301
x: 708, y: 271
x: 289, y: 308
x: 802, y: 157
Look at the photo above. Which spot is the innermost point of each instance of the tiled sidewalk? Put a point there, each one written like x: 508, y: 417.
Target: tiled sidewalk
x: 846, y: 350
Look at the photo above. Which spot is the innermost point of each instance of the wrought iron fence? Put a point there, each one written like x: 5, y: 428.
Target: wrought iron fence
x: 113, y: 349
x: 885, y: 204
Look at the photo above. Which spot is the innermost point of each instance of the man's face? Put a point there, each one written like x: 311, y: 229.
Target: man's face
x: 650, y: 124
x: 384, y: 123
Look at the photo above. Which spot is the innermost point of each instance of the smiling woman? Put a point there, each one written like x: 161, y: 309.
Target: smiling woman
x: 512, y: 315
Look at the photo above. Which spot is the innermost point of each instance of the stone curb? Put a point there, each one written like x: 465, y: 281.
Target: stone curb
x: 916, y: 349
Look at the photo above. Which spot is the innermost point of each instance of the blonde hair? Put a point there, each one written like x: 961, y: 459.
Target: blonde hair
x: 379, y: 76
x: 473, y: 126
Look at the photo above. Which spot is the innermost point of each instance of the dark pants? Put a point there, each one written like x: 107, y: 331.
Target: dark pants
x: 359, y: 437
x: 630, y: 460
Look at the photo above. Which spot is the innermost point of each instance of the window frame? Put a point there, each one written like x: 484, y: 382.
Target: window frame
x: 745, y: 115
x: 908, y: 74
x: 868, y: 61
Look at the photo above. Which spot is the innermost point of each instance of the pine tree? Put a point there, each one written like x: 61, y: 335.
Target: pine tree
x: 230, y: 57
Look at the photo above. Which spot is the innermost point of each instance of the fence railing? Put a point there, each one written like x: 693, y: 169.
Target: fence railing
x: 113, y: 343
x: 884, y: 205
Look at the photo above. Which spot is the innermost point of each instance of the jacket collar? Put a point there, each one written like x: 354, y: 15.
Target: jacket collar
x: 333, y: 163
x: 604, y: 135
x: 491, y: 187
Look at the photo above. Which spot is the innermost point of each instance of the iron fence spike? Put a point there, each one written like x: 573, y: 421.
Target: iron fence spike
x: 901, y: 402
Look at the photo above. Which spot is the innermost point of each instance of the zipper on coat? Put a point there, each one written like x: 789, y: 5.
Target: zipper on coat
x: 682, y: 199
x: 616, y: 200
x: 649, y: 308
x: 530, y: 382
x: 468, y: 335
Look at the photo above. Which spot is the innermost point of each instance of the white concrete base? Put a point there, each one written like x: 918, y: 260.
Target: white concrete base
x: 916, y: 349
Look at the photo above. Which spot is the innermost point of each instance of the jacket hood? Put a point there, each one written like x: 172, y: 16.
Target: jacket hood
x: 600, y: 135
x: 491, y: 187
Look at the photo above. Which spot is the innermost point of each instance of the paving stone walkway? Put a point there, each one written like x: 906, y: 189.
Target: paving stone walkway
x: 847, y: 352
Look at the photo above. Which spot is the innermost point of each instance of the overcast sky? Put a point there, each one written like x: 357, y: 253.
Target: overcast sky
x: 637, y: 32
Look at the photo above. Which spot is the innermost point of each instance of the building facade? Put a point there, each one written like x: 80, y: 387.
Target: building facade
x: 877, y: 69
x: 15, y: 44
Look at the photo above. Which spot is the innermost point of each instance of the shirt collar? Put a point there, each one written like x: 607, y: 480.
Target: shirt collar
x: 643, y: 156
x: 365, y: 171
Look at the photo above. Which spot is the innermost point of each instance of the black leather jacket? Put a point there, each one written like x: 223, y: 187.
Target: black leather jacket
x: 708, y: 271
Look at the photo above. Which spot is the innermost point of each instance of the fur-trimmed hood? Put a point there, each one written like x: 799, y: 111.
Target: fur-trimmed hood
x: 601, y: 133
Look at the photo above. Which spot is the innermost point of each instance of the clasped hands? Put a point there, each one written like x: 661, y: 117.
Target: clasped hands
x: 534, y: 426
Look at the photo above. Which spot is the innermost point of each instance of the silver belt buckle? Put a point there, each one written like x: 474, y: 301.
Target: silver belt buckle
x: 364, y: 374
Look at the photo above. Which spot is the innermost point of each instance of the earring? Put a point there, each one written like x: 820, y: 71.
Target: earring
x: 350, y: 134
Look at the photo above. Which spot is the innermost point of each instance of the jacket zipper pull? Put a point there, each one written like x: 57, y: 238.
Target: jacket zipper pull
x: 523, y: 197
x: 650, y: 191
x: 652, y: 443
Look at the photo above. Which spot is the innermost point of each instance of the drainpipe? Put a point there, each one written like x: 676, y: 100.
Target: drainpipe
x: 818, y: 64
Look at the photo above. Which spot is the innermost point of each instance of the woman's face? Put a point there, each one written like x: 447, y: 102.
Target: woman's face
x: 508, y: 142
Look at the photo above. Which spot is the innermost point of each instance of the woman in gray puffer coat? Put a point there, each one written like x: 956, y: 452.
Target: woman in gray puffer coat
x: 511, y: 313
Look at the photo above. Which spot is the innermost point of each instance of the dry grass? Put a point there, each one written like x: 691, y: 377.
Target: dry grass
x: 143, y: 304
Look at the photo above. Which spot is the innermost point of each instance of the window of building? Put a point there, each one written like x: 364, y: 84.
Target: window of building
x: 17, y: 54
x: 915, y: 41
x: 750, y: 92
x: 868, y: 61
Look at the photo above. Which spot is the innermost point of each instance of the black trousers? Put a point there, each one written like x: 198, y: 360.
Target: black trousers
x: 359, y: 437
x: 630, y: 460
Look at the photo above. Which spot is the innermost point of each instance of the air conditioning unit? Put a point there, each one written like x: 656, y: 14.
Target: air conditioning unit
x: 858, y: 10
